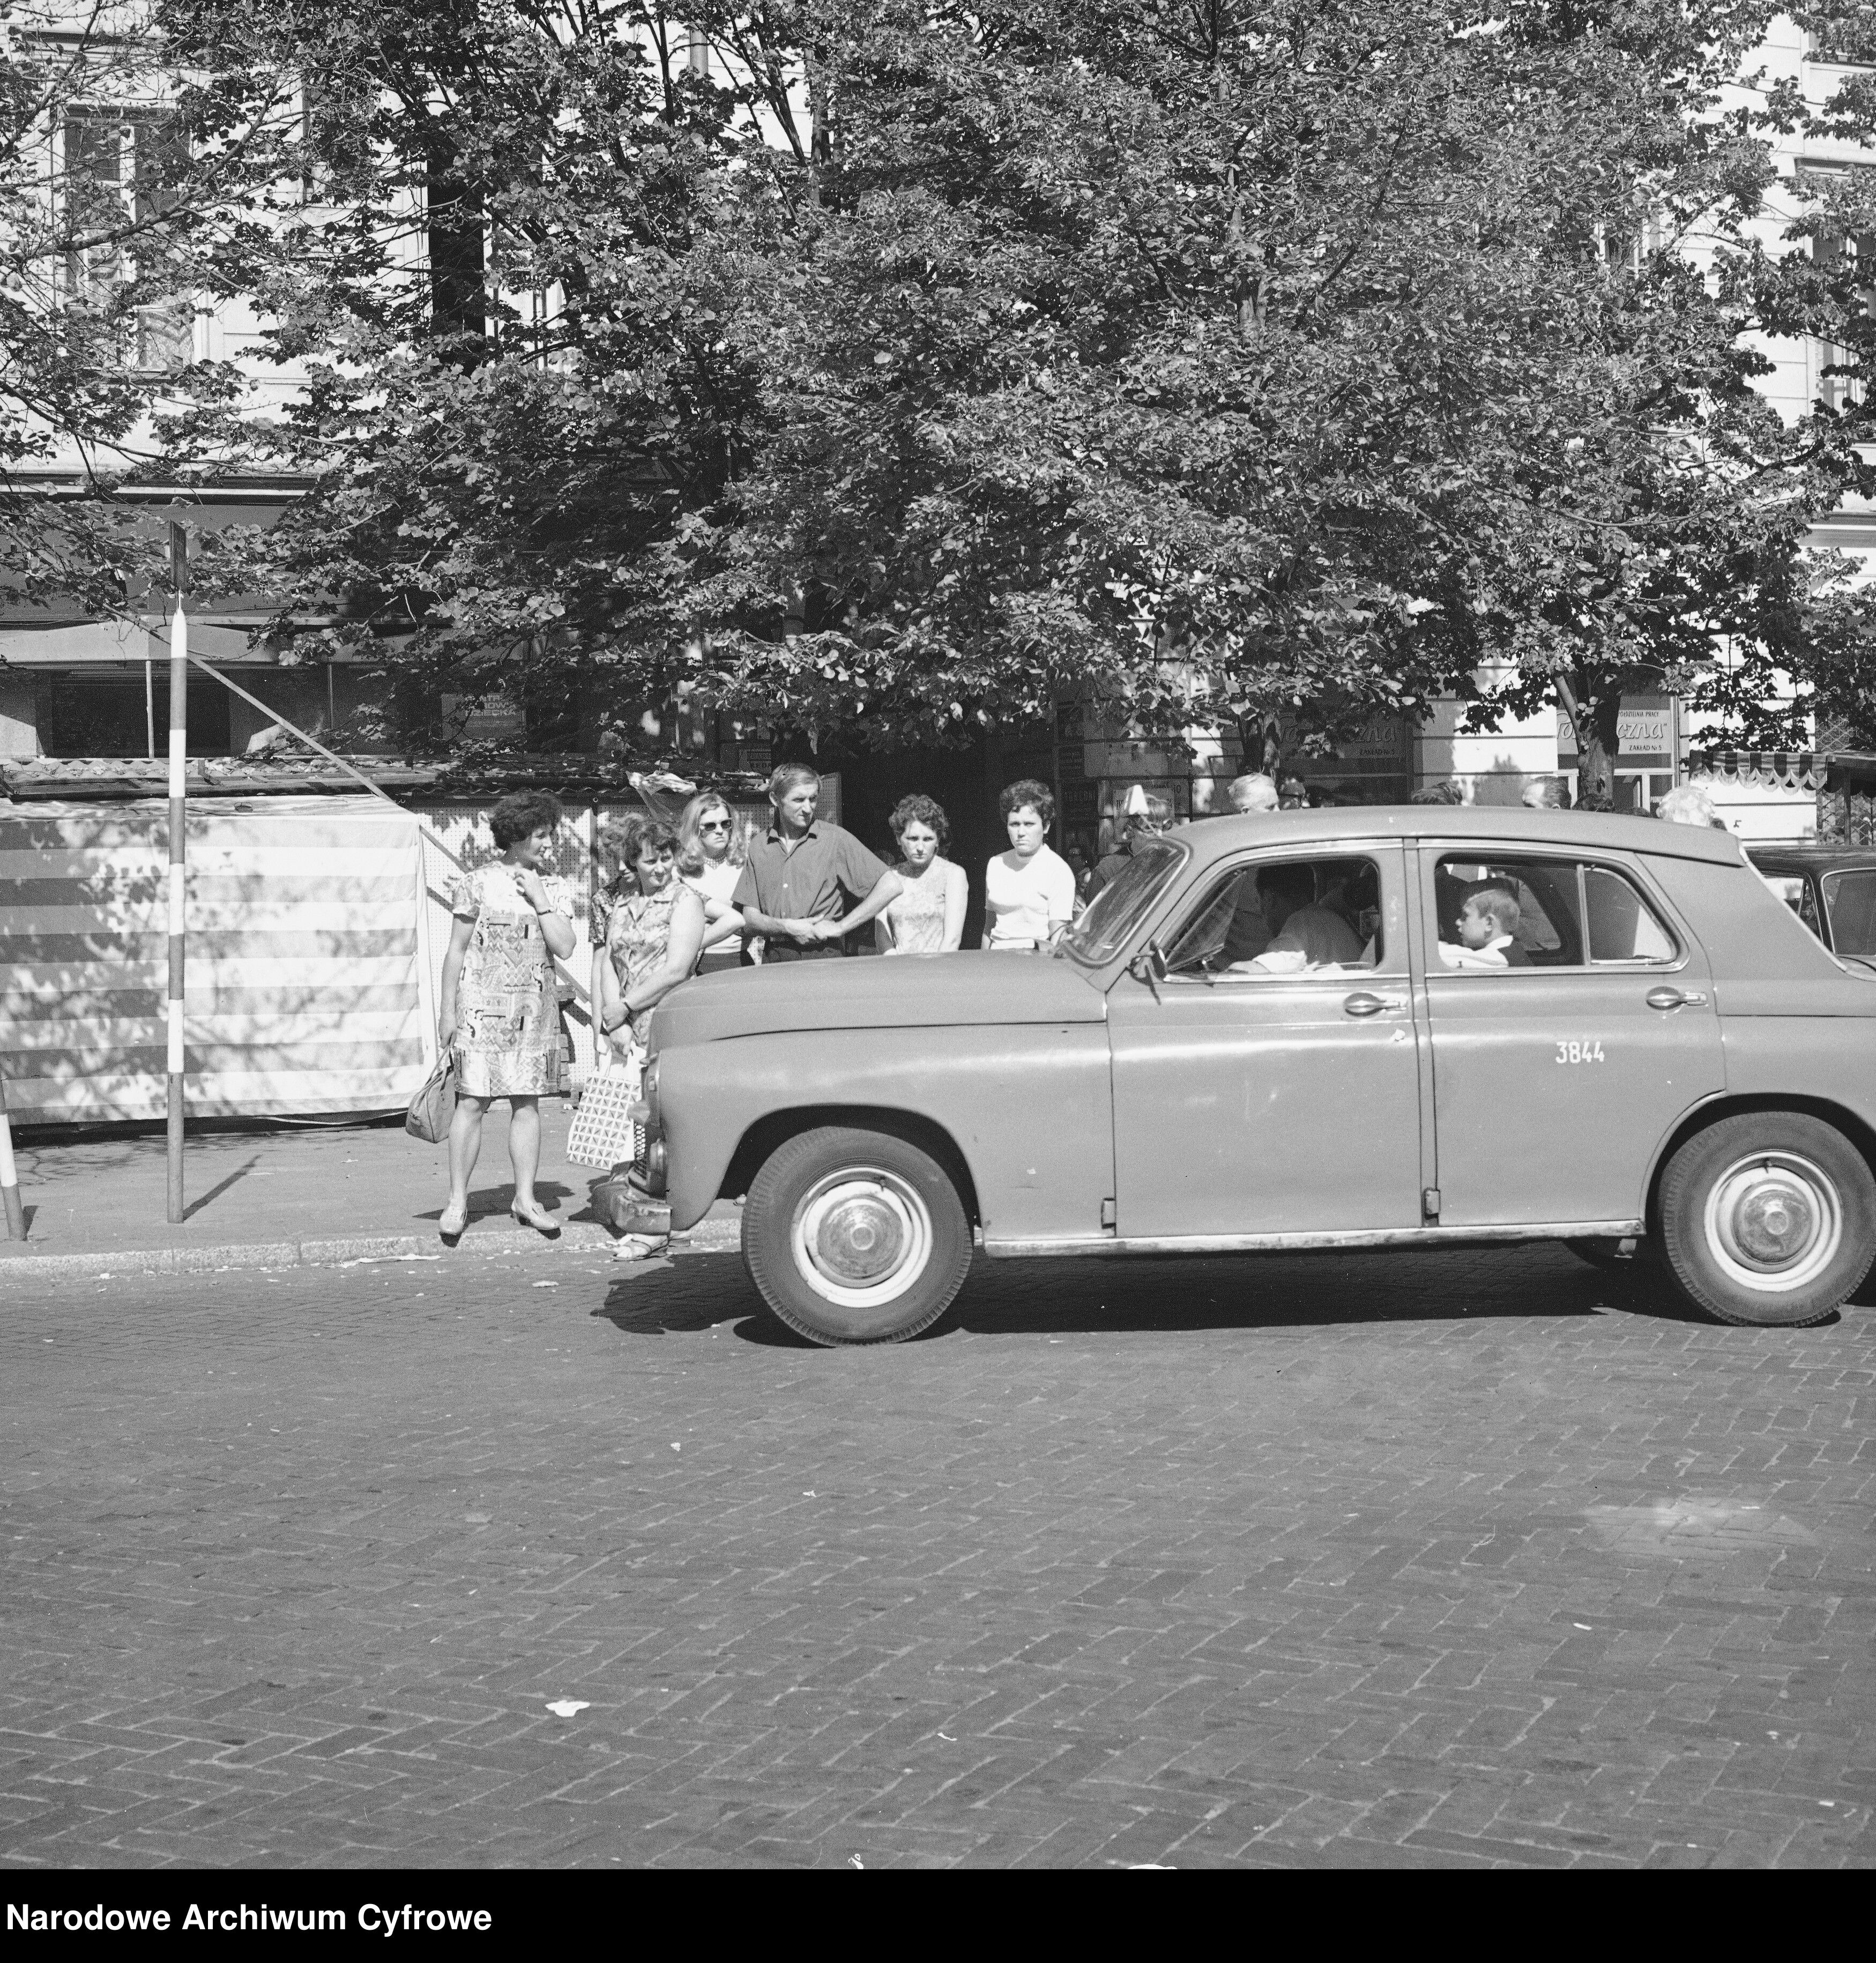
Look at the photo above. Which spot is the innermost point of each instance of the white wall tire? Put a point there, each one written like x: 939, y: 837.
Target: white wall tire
x: 1769, y: 1218
x: 854, y: 1236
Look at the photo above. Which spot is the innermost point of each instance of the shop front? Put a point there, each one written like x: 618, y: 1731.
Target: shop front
x: 1099, y: 770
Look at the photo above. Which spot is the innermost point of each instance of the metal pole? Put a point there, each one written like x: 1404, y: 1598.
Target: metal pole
x: 9, y: 1179
x: 178, y: 835
x: 149, y: 707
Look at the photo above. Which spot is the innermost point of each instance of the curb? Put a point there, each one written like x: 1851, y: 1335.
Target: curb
x: 707, y: 1236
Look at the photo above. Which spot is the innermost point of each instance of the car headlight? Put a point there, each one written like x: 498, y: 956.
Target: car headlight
x: 644, y: 1110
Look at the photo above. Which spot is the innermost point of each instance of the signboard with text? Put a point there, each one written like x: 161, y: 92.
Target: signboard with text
x: 1644, y: 729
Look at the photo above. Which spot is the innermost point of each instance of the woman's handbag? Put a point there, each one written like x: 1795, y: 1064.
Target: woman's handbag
x: 603, y: 1133
x: 434, y: 1104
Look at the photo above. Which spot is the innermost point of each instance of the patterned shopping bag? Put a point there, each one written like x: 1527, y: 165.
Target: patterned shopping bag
x: 603, y: 1133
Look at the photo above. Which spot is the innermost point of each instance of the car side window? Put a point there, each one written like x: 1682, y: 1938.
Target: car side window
x: 1499, y: 913
x: 1850, y: 901
x: 1265, y: 920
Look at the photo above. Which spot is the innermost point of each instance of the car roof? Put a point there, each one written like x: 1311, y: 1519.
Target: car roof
x: 1499, y: 824
x: 1812, y: 858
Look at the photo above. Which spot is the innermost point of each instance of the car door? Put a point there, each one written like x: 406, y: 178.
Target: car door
x: 1265, y: 1102
x: 1556, y: 1077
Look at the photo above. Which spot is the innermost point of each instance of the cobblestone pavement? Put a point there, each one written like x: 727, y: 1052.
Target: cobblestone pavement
x: 1386, y: 1560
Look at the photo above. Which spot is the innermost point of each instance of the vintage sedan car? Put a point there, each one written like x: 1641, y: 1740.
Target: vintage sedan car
x: 1265, y: 1034
x: 1831, y: 888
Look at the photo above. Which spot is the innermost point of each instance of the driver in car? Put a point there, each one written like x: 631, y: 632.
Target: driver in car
x: 1303, y: 934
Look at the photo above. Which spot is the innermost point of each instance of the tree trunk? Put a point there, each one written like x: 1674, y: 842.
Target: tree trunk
x: 1594, y: 714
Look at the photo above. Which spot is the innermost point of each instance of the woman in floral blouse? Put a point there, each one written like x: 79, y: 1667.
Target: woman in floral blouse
x: 648, y: 928
x: 498, y: 1012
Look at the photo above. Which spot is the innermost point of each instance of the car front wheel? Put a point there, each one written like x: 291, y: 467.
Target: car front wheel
x: 1769, y: 1218
x: 854, y: 1236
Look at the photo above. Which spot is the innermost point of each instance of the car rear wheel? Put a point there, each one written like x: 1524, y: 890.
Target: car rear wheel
x: 854, y: 1236
x: 1769, y: 1218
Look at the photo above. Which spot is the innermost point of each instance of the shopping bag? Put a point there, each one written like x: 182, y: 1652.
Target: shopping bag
x: 603, y: 1133
x: 434, y: 1104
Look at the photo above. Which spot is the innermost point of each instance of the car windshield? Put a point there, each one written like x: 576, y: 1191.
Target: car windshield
x: 1115, y: 913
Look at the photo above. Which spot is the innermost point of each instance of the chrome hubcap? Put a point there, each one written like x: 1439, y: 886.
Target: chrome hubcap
x: 1774, y: 1222
x: 861, y: 1237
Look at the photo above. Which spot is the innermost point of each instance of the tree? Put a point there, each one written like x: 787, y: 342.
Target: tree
x: 926, y: 364
x: 509, y: 246
x: 1219, y: 357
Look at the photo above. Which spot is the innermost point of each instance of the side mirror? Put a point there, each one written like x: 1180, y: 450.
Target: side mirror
x: 1149, y: 966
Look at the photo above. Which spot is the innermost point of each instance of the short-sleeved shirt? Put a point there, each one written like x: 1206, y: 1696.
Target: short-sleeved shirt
x: 1313, y: 937
x: 828, y: 872
x: 1021, y: 902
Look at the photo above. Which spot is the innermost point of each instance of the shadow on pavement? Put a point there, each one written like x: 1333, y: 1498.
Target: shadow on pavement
x: 490, y: 1202
x: 702, y: 1292
x: 215, y: 1192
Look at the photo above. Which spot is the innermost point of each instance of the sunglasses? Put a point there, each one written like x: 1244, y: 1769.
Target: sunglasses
x: 713, y: 825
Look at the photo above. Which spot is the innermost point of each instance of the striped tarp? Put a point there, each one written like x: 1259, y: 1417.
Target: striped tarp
x: 305, y: 987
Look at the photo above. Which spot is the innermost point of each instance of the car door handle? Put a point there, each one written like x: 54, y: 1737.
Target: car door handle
x: 1364, y: 1004
x: 1673, y: 998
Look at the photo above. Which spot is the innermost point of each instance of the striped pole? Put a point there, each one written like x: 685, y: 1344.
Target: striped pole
x: 9, y: 1179
x: 178, y: 794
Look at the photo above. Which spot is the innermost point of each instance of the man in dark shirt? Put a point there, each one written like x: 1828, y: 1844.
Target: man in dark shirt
x: 796, y: 887
x: 1153, y: 816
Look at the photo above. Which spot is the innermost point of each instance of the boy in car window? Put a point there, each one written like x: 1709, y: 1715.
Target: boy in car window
x: 1488, y: 927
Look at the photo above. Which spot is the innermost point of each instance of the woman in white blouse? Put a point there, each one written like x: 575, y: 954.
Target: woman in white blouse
x: 1029, y: 891
x: 709, y: 862
x: 928, y: 918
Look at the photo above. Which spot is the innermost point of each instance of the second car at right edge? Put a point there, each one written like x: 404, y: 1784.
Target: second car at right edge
x: 1831, y: 888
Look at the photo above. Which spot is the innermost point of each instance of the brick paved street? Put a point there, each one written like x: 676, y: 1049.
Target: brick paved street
x: 1379, y: 1560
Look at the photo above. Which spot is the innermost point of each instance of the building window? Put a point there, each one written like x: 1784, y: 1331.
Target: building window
x: 108, y: 713
x: 118, y: 184
x: 1836, y: 251
x: 1836, y: 390
x: 1846, y: 44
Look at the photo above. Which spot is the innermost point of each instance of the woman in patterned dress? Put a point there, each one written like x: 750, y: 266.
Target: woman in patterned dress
x: 928, y: 918
x: 498, y: 1012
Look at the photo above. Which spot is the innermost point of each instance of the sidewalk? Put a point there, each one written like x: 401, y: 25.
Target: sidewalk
x: 278, y: 1198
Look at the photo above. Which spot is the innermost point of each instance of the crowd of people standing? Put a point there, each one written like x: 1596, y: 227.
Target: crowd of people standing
x: 681, y: 899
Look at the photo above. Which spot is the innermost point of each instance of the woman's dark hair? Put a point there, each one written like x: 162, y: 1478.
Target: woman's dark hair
x: 1028, y: 791
x: 919, y: 809
x: 631, y: 839
x: 520, y: 812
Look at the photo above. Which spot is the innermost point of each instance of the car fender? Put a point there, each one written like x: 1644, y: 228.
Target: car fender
x: 1027, y: 1108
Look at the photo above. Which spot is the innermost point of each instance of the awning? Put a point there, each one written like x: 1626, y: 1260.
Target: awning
x: 1839, y: 770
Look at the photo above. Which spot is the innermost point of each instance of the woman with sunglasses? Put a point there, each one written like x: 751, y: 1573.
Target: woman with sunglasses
x: 709, y: 862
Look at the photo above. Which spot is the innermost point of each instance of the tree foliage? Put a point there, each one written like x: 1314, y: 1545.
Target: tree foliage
x: 924, y: 363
